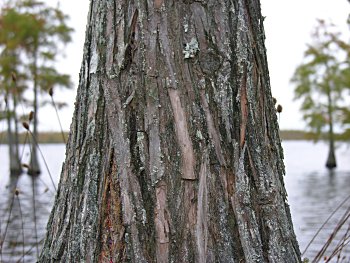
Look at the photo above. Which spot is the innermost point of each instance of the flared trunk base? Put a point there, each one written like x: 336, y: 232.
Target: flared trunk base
x: 34, y: 168
x: 331, y: 161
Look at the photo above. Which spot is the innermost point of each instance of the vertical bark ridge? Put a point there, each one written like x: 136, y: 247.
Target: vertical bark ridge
x: 183, y: 136
x: 202, y: 211
x: 174, y: 154
x: 162, y: 223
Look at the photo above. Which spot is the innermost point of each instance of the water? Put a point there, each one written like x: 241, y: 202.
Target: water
x: 313, y: 193
x: 19, y: 209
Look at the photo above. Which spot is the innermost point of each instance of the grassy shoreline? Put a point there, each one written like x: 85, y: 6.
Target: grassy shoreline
x: 44, y: 137
x: 56, y: 137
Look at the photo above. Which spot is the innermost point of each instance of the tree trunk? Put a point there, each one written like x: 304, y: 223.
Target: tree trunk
x: 174, y: 153
x: 331, y: 161
x: 34, y: 168
x: 16, y: 133
x: 12, y: 138
x: 15, y: 164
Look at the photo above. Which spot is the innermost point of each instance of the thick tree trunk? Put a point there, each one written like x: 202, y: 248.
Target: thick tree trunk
x: 174, y: 153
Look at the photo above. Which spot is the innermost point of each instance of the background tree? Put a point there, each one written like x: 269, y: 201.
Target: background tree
x: 41, y: 35
x: 344, y: 79
x: 12, y: 77
x: 49, y: 32
x: 174, y: 152
x: 320, y: 85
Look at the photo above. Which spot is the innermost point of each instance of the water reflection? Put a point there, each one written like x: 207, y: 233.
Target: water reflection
x: 26, y: 214
x: 315, y: 192
x: 23, y: 216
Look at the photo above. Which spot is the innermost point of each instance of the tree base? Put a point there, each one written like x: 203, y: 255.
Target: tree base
x: 33, y: 172
x: 331, y: 165
x: 331, y: 162
x: 34, y: 167
x: 15, y: 171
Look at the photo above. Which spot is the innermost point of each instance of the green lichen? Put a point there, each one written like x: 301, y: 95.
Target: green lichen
x: 191, y: 49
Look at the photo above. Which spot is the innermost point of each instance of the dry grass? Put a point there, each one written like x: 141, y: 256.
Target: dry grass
x: 44, y: 137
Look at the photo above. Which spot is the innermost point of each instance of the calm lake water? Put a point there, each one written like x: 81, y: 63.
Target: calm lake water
x: 313, y: 193
x: 30, y: 209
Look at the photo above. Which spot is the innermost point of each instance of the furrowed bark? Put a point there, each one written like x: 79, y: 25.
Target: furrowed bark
x: 174, y: 153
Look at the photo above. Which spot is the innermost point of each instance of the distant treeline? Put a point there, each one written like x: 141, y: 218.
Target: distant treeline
x: 303, y: 135
x: 44, y: 137
x: 56, y: 137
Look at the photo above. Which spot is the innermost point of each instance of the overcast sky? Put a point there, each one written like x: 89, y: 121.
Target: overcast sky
x: 288, y: 25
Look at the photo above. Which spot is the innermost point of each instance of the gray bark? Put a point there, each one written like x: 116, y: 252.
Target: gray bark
x: 174, y: 153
